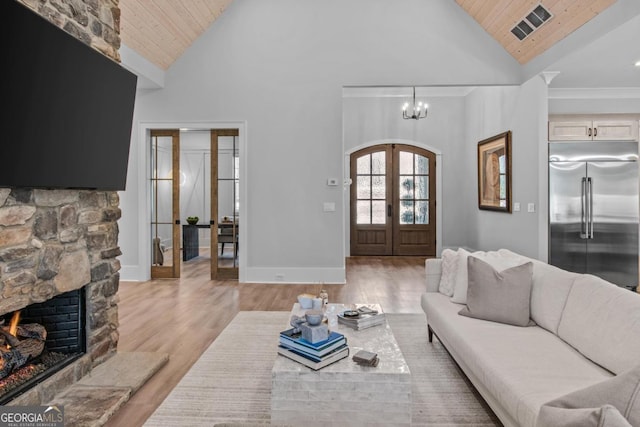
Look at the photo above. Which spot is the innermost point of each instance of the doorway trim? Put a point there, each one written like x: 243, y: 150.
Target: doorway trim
x: 347, y: 193
x: 144, y: 188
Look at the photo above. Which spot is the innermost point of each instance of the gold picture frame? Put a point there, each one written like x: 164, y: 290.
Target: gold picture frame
x: 494, y: 173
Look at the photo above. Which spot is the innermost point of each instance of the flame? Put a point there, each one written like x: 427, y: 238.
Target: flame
x: 13, y: 329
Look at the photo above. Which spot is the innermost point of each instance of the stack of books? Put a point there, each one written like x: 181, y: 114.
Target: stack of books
x: 314, y: 355
x: 364, y: 316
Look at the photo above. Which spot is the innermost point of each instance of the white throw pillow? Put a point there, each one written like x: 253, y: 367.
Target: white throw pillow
x: 462, y: 278
x: 449, y: 270
x: 496, y: 260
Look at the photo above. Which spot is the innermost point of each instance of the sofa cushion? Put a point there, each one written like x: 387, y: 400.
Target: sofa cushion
x: 622, y: 392
x: 602, y: 321
x: 549, y: 291
x: 521, y: 368
x: 500, y: 296
x: 449, y: 269
x: 605, y: 416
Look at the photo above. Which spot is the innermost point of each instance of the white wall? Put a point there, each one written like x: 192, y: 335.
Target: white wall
x: 280, y: 66
x: 523, y: 110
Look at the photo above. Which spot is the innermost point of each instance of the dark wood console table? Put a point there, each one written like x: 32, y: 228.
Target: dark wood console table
x: 191, y: 238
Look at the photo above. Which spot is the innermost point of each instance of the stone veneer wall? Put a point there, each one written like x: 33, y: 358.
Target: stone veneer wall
x: 54, y: 241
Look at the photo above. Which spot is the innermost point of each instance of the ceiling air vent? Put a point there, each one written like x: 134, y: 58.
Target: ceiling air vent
x: 531, y: 22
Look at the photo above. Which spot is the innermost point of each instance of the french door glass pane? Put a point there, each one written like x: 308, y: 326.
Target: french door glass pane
x: 378, y: 163
x: 422, y: 212
x: 378, y: 187
x: 162, y: 244
x: 422, y: 187
x: 378, y: 212
x: 364, y: 165
x: 406, y: 163
x: 406, y: 211
x: 406, y: 187
x: 363, y: 189
x: 363, y: 212
x: 422, y: 165
x: 164, y: 201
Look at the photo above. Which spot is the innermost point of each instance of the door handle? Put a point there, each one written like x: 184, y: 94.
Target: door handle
x: 590, y: 215
x: 584, y: 233
x: 589, y: 132
x: 595, y: 131
x: 389, y: 211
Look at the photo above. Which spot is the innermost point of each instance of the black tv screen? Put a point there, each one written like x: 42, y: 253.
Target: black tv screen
x: 68, y: 109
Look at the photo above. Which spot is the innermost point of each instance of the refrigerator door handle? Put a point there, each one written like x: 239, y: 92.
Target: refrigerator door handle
x: 590, y: 215
x: 584, y: 215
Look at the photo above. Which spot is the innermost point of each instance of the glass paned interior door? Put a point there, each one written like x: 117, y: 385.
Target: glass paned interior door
x: 414, y: 188
x: 165, y: 248
x: 228, y: 202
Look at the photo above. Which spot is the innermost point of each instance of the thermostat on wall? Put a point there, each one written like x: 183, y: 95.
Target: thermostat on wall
x: 332, y: 182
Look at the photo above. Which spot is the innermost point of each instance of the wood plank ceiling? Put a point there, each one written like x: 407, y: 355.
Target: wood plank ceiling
x: 161, y: 30
x: 498, y: 17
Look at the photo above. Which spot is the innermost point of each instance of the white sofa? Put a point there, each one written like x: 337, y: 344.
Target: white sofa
x: 587, y: 331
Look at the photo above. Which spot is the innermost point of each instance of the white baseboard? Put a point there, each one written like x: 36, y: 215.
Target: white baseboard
x: 317, y: 275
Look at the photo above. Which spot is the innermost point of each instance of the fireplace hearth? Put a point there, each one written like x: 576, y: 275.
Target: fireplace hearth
x: 62, y: 319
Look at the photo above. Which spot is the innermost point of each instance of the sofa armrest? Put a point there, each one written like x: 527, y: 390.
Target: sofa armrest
x: 433, y: 270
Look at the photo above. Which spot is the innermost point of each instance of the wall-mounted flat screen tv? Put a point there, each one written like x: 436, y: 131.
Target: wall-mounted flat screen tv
x: 68, y: 109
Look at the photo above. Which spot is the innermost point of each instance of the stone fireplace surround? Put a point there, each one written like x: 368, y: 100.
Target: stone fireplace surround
x: 54, y: 241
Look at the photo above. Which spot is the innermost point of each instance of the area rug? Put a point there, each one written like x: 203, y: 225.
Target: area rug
x: 230, y: 385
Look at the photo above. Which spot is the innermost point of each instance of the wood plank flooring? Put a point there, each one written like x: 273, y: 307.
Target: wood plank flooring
x: 183, y: 317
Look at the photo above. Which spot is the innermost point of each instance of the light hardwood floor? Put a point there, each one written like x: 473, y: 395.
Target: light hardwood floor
x: 183, y: 317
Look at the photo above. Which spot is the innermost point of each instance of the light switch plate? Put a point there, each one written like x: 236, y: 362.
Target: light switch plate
x: 329, y: 207
x: 516, y: 206
x: 531, y: 207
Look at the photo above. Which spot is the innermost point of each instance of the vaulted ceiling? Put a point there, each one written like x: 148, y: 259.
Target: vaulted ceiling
x: 161, y: 30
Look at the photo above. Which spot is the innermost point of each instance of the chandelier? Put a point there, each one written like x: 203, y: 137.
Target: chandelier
x: 416, y: 112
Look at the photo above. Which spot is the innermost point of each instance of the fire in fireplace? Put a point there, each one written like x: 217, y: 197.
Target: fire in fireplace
x: 39, y: 340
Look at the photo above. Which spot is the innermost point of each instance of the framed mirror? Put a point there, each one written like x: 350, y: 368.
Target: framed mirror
x: 494, y: 173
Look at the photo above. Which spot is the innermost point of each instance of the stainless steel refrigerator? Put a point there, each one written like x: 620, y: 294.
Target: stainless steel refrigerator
x: 593, y: 209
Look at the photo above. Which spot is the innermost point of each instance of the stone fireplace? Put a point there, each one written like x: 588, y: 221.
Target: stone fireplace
x: 57, y: 243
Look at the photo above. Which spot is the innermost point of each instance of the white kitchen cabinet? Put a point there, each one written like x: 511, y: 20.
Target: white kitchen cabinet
x: 593, y: 130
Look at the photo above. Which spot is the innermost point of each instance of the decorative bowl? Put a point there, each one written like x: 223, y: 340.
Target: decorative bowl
x: 193, y: 220
x: 314, y: 317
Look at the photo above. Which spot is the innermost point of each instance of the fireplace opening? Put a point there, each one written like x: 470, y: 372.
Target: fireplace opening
x: 48, y: 336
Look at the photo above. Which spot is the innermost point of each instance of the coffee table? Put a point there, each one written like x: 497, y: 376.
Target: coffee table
x: 345, y: 393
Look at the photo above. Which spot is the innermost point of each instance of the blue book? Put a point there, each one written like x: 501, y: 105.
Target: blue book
x: 295, y: 341
x: 315, y: 362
